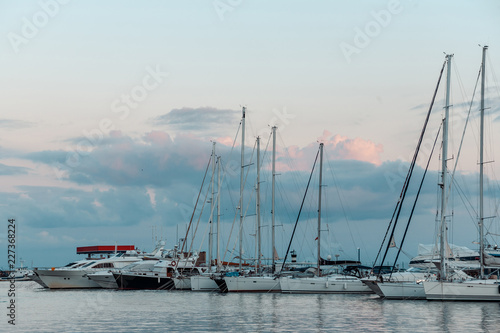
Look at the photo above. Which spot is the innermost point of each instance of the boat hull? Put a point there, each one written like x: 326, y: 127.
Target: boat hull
x: 34, y: 277
x: 489, y: 290
x: 323, y: 285
x: 143, y: 282
x: 258, y: 284
x: 203, y: 283
x: 104, y: 279
x: 66, y: 279
x: 373, y: 285
x: 402, y: 290
x: 182, y: 283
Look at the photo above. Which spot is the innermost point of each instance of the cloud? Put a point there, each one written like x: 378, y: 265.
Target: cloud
x: 53, y: 207
x: 202, y: 119
x: 14, y: 124
x: 154, y: 176
x: 12, y: 170
x: 336, y: 147
x: 155, y: 180
x: 118, y: 160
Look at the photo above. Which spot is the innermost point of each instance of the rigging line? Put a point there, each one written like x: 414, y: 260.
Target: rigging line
x: 229, y: 238
x: 339, y: 195
x: 225, y: 171
x: 468, y: 205
x: 463, y: 135
x: 408, y: 176
x: 199, y: 219
x: 294, y: 174
x: 210, y: 216
x: 239, y: 208
x: 415, y: 202
x: 493, y: 73
x: 265, y: 150
x: 235, y: 215
x: 194, y: 210
x: 409, y: 256
x: 300, y: 210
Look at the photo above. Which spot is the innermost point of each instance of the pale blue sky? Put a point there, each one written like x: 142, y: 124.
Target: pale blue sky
x: 275, y: 57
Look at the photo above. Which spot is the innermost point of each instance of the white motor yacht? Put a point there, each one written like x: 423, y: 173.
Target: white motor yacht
x: 75, y: 275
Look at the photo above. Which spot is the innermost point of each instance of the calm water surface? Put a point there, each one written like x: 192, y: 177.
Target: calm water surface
x: 40, y: 310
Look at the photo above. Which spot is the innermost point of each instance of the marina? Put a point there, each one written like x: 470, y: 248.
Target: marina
x: 250, y: 166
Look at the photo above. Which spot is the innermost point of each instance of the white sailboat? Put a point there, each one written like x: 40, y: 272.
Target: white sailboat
x: 411, y: 287
x: 259, y: 282
x: 332, y: 283
x: 481, y: 289
x: 206, y: 280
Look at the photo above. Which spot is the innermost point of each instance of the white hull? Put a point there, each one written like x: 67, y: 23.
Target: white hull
x: 104, y: 280
x: 66, y: 279
x: 324, y: 285
x: 477, y: 290
x: 203, y: 283
x: 182, y: 283
x: 373, y: 285
x: 262, y: 284
x: 402, y: 290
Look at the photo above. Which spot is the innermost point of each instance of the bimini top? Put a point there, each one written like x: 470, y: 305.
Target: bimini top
x: 104, y: 249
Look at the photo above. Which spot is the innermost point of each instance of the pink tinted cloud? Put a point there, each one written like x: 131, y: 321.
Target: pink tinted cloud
x: 336, y: 147
x: 226, y: 141
x: 159, y: 138
x: 354, y: 149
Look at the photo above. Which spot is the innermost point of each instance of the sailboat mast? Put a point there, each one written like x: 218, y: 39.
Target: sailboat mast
x: 319, y: 204
x: 257, y: 189
x: 481, y: 166
x: 241, y: 185
x: 211, y: 231
x: 444, y: 161
x: 219, y: 264
x: 272, y: 199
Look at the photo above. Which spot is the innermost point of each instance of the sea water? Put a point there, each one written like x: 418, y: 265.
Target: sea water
x: 99, y: 310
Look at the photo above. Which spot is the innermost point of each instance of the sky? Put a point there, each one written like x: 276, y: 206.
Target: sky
x: 109, y: 110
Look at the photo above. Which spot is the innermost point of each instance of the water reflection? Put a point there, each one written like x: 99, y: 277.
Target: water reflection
x: 178, y: 311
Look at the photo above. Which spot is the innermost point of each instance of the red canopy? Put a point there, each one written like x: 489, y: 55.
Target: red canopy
x: 103, y: 249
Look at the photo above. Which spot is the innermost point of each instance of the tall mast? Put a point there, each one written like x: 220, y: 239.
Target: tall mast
x: 319, y: 204
x: 481, y: 166
x: 241, y: 184
x: 211, y: 231
x: 444, y: 161
x: 219, y: 264
x: 257, y: 189
x: 273, y: 199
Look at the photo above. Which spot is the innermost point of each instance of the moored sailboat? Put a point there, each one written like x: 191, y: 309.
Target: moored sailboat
x: 259, y: 281
x: 322, y: 284
x: 483, y: 288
